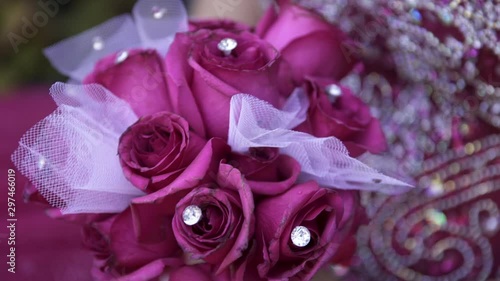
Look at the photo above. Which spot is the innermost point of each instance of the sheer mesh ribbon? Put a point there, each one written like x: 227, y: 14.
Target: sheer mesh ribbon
x: 71, y: 155
x: 153, y: 26
x: 256, y: 123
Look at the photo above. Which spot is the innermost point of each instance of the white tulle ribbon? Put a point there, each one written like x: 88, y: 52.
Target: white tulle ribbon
x: 256, y: 123
x: 71, y: 155
x: 157, y: 21
x: 153, y: 26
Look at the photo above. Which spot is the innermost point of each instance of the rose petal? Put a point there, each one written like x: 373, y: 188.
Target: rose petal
x: 140, y: 80
x: 131, y: 250
x: 160, y: 204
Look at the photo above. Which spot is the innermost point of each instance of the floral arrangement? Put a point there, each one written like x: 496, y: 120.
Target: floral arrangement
x: 211, y: 150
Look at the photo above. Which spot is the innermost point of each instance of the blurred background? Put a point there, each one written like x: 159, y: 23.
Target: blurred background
x: 28, y: 66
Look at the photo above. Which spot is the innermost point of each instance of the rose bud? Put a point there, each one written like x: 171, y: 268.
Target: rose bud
x: 156, y: 149
x: 307, y: 42
x: 335, y: 111
x: 136, y: 76
x: 207, y: 67
x: 301, y: 230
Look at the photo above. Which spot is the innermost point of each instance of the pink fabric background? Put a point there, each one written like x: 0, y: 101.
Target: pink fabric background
x: 46, y: 249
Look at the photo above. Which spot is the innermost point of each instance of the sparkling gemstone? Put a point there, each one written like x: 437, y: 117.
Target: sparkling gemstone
x: 436, y: 188
x: 191, y: 215
x: 340, y: 270
x: 446, y: 16
x: 333, y: 91
x: 416, y: 15
x: 495, y: 109
x: 158, y: 12
x: 121, y: 57
x: 491, y: 224
x: 97, y: 43
x: 300, y: 236
x: 227, y: 45
x: 435, y: 217
x: 41, y: 163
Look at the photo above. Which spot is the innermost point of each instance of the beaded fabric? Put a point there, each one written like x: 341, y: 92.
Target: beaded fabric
x: 431, y: 73
x: 444, y: 55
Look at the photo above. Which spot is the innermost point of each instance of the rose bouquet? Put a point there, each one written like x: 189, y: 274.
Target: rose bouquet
x: 207, y: 150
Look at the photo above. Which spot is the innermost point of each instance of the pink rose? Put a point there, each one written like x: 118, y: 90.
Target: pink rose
x: 156, y: 149
x: 137, y: 76
x: 307, y: 42
x: 326, y: 213
x: 124, y: 254
x: 225, y: 199
x: 226, y: 225
x: 266, y: 171
x: 342, y: 115
x: 202, y: 79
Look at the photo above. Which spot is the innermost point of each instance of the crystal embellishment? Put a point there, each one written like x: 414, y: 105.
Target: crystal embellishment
x: 191, y: 215
x: 491, y: 224
x: 301, y: 236
x: 97, y: 43
x: 158, y: 12
x: 333, y: 91
x: 121, y: 57
x: 41, y: 163
x: 416, y: 15
x: 446, y: 16
x: 227, y: 45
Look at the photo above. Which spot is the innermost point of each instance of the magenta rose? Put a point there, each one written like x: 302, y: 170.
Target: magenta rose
x: 335, y: 111
x: 121, y: 253
x: 136, y: 76
x: 156, y: 149
x: 202, y: 79
x: 226, y: 224
x: 326, y: 214
x: 266, y: 171
x: 220, y: 191
x: 307, y: 42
